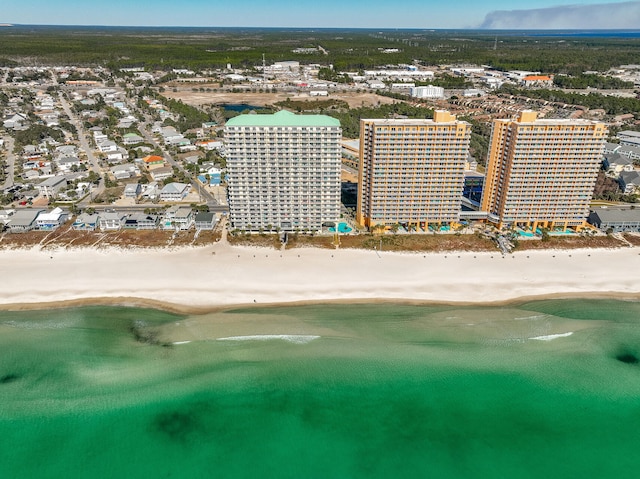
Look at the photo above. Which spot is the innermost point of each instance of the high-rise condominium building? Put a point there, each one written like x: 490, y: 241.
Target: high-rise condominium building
x: 283, y: 171
x: 541, y: 173
x: 411, y: 172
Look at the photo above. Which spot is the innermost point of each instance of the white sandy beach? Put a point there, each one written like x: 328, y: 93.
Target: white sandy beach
x: 221, y: 275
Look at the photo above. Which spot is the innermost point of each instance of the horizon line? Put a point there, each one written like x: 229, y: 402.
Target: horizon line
x: 472, y: 29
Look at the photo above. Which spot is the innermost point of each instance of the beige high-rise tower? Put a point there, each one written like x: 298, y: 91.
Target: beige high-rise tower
x: 411, y: 172
x: 541, y: 173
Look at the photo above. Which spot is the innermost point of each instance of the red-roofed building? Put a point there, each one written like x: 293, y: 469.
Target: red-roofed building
x: 537, y: 81
x: 153, y: 161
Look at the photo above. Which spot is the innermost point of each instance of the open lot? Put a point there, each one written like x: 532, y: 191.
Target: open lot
x: 198, y: 98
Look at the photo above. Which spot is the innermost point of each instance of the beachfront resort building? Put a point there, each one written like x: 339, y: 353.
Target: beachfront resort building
x: 541, y: 173
x: 283, y: 171
x: 411, y: 172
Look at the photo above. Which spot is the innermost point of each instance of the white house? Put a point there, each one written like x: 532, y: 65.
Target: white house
x: 174, y: 192
x: 178, y: 218
x: 107, y: 146
x: 111, y: 221
x: 51, y: 220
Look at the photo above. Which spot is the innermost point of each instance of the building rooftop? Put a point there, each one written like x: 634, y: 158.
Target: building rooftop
x: 635, y: 134
x: 617, y: 215
x: 283, y: 118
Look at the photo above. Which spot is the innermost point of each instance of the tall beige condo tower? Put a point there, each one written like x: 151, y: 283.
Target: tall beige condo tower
x: 541, y: 173
x: 411, y: 172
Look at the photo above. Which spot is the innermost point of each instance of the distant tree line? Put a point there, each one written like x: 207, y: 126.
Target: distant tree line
x: 590, y: 81
x: 348, y: 50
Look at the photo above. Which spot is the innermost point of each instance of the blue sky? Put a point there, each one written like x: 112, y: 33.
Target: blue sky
x: 328, y: 13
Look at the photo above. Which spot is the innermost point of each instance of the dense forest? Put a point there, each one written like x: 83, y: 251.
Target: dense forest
x: 347, y: 50
x: 613, y: 105
x: 590, y: 81
x: 350, y: 119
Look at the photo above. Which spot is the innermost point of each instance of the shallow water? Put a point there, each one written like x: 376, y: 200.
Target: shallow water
x: 322, y: 391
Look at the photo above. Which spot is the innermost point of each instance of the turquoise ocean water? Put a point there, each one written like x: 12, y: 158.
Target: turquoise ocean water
x: 541, y: 389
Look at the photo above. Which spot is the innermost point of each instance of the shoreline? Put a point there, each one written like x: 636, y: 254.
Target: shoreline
x: 198, y: 280
x: 179, y: 309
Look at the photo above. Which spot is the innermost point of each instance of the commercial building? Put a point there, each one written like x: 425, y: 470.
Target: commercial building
x: 616, y: 220
x: 541, y: 173
x: 283, y: 171
x: 428, y: 91
x: 411, y: 172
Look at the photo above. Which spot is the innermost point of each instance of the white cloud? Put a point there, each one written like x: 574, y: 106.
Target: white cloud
x: 623, y: 15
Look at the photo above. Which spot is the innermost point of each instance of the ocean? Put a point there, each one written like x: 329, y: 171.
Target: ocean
x: 538, y: 389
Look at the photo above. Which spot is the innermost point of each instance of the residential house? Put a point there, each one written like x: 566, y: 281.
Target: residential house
x: 5, y: 216
x: 107, y: 146
x: 171, y: 136
x: 116, y: 156
x: 51, y: 220
x: 15, y: 121
x: 210, y: 145
x: 629, y: 181
x: 178, y: 218
x: 141, y: 221
x: 67, y: 163
x: 132, y: 139
x: 153, y: 161
x: 631, y: 152
x: 51, y: 186
x: 66, y: 150
x: 610, y: 147
x: 151, y: 191
x: 98, y: 136
x: 615, y: 164
x: 24, y: 220
x: 85, y: 222
x: 174, y: 192
x: 159, y: 174
x: 126, y: 122
x: 111, y: 221
x: 125, y: 171
x: 205, y: 221
x: 132, y: 190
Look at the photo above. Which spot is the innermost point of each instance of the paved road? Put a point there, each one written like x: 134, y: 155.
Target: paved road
x: 84, y: 144
x: 11, y: 159
x: 142, y: 207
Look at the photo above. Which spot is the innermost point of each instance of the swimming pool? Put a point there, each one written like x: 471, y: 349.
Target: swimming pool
x: 342, y: 228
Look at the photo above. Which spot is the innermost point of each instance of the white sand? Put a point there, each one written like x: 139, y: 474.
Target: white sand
x: 220, y: 275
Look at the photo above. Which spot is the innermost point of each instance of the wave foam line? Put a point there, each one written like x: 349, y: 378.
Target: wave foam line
x: 290, y: 338
x: 552, y: 336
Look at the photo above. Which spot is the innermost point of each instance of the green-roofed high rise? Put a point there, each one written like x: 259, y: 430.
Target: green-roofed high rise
x: 283, y: 171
